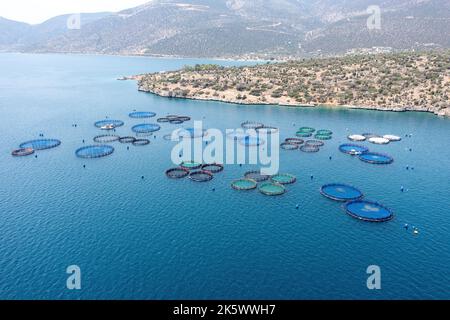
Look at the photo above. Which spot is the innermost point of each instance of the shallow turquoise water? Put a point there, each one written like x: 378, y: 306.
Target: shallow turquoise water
x: 162, y: 239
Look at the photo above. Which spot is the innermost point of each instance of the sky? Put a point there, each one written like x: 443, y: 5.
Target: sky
x: 37, y: 11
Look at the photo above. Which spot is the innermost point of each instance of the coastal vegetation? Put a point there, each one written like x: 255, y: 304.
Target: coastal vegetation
x: 396, y: 82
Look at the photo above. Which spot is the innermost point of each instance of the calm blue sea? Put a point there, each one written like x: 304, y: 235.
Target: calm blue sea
x: 155, y: 238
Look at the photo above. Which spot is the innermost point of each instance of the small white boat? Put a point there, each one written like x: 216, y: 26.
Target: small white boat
x: 108, y: 127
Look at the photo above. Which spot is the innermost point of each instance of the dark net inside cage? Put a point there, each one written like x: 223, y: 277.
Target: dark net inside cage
x: 252, y: 125
x: 309, y: 149
x: 142, y: 114
x: 314, y: 143
x: 289, y: 146
x: 141, y: 142
x: 22, y: 152
x: 177, y: 173
x: 40, y: 144
x: 109, y: 124
x: 106, y: 138
x: 97, y: 151
x: 127, y: 139
x: 213, y: 167
x: 146, y: 128
x: 200, y: 176
x: 256, y: 175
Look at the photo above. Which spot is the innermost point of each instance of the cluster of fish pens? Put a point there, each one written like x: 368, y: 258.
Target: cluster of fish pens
x: 268, y: 185
x: 308, y: 146
x: 196, y: 171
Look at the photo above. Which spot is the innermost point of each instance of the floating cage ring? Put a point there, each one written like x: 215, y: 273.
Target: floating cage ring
x: 303, y: 134
x: 106, y: 138
x: 172, y: 117
x: 162, y: 120
x: 40, y: 144
x: 97, y: 151
x: 306, y: 130
x: 256, y: 175
x: 146, y: 128
x: 213, y: 167
x: 109, y: 124
x: 379, y: 140
x: 356, y: 137
x: 201, y: 176
x: 176, y: 121
x: 141, y: 142
x: 22, y: 152
x: 294, y: 140
x: 289, y: 146
x: 272, y: 189
x: 184, y: 118
x: 127, y: 139
x: 177, y: 173
x: 341, y: 192
x: 323, y: 137
x: 368, y: 211
x: 392, y: 137
x: 314, y: 143
x: 353, y: 149
x: 324, y: 132
x: 190, y: 165
x: 283, y: 178
x: 244, y: 184
x: 267, y: 130
x: 252, y: 125
x: 142, y: 114
x: 376, y: 158
x: 309, y: 149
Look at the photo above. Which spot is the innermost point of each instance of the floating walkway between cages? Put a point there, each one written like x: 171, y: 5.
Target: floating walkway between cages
x: 201, y: 176
x: 109, y: 124
x: 142, y: 114
x: 97, y: 151
x: 244, y: 184
x: 271, y: 189
x: 177, y: 173
x: 146, y: 128
x: 40, y: 144
x: 340, y: 192
x: 368, y: 211
x: 353, y: 149
x: 376, y: 158
x: 283, y: 178
x: 106, y: 138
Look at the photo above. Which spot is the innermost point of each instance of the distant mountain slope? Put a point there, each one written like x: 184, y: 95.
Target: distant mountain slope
x: 207, y: 28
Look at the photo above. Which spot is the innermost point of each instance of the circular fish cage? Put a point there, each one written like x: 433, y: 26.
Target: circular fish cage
x: 244, y: 184
x: 142, y: 114
x: 163, y: 120
x: 324, y: 132
x: 267, y: 130
x: 353, y: 149
x: 306, y: 130
x: 301, y: 134
x: 109, y: 124
x: 368, y: 211
x: 341, y: 192
x: 146, y: 128
x: 289, y: 146
x: 309, y: 149
x: 127, y: 139
x: 212, y: 167
x: 22, y: 152
x: 177, y: 173
x: 294, y: 140
x: 392, y: 137
x: 356, y: 137
x: 140, y: 142
x: 323, y: 137
x: 272, y: 189
x: 190, y: 165
x: 192, y: 133
x: 314, y: 143
x: 283, y: 178
x: 97, y: 151
x: 40, y: 144
x: 376, y: 158
x: 176, y: 121
x: 256, y: 176
x: 201, y: 176
x: 106, y: 138
x: 252, y: 125
x: 379, y: 140
x: 184, y: 118
x: 250, y: 141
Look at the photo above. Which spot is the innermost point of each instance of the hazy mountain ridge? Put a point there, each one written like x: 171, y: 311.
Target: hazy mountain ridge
x: 207, y: 28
